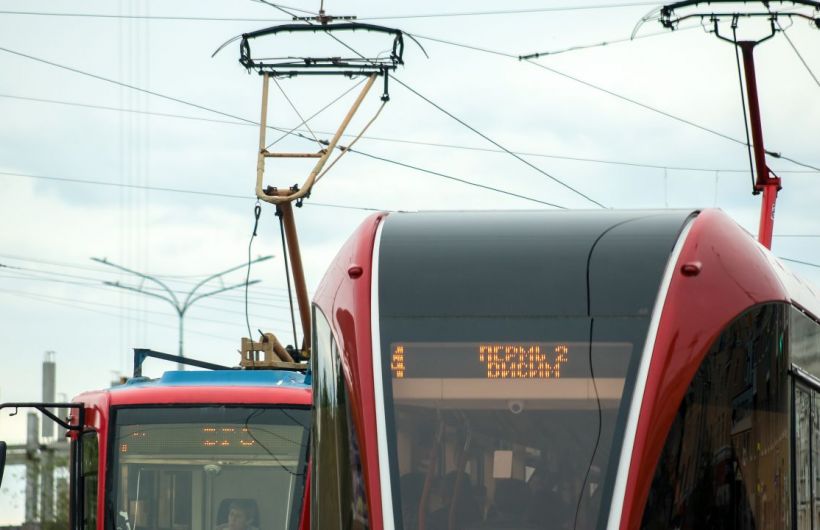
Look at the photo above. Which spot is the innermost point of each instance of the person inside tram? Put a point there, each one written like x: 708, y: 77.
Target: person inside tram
x: 242, y: 515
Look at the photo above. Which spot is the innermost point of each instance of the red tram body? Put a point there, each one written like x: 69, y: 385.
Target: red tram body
x: 563, y: 370
x: 185, y: 451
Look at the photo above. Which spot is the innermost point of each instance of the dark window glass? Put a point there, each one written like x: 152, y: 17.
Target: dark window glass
x: 337, y: 486
x: 802, y: 459
x: 506, y: 423
x: 804, y: 342
x: 90, y: 472
x: 726, y: 462
x: 208, y: 467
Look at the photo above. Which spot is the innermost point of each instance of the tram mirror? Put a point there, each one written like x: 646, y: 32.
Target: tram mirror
x: 2, y: 460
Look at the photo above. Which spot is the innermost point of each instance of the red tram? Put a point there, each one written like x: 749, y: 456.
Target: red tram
x: 563, y: 370
x: 225, y: 449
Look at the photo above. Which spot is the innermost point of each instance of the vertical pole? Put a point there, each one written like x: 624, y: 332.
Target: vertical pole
x: 32, y: 460
x: 181, y: 366
x: 298, y: 272
x: 49, y: 392
x: 763, y: 182
x: 263, y: 126
x: 47, y: 486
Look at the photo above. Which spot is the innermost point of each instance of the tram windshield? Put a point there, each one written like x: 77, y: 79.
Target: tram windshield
x: 207, y: 468
x: 506, y: 433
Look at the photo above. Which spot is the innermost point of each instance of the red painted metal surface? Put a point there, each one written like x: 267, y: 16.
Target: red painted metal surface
x: 764, y: 182
x: 734, y: 276
x: 345, y: 299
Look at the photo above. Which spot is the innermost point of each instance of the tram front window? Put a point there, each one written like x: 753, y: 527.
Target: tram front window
x: 506, y: 434
x: 207, y: 468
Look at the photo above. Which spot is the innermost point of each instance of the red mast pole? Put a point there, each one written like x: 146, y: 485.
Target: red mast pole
x: 764, y: 182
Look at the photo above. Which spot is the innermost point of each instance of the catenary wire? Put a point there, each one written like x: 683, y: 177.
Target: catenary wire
x: 799, y: 56
x: 811, y: 169
x: 378, y: 17
x: 177, y: 100
x: 743, y: 105
x: 623, y: 98
x: 476, y: 131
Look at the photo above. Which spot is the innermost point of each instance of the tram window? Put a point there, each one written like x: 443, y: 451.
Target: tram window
x: 337, y: 485
x: 802, y: 433
x: 726, y: 461
x: 90, y: 473
x: 505, y: 423
x: 182, y: 468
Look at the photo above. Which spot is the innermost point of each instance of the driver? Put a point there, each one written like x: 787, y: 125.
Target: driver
x: 241, y: 516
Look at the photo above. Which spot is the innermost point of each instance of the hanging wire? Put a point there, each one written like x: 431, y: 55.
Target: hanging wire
x: 299, y: 114
x: 743, y: 103
x: 345, y: 149
x: 291, y: 131
x: 287, y: 274
x: 799, y: 56
x: 257, y: 212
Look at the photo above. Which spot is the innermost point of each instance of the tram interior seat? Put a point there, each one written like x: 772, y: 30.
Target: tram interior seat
x: 225, y: 508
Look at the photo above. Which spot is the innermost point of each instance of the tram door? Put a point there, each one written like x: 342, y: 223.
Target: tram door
x: 807, y: 456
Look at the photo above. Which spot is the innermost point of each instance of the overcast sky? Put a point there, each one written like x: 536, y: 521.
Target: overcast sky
x: 52, y: 296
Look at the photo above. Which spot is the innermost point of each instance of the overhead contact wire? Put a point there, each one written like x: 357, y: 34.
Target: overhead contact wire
x: 476, y: 131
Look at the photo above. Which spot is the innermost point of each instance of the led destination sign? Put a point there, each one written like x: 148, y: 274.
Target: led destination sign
x: 502, y: 360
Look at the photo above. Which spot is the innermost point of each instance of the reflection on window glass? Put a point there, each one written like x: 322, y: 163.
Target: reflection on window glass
x: 726, y: 459
x: 209, y: 468
x: 337, y: 486
x: 505, y: 432
x: 90, y: 473
x: 802, y: 435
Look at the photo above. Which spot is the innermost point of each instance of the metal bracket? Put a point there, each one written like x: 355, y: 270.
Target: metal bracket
x: 43, y: 408
x: 140, y: 354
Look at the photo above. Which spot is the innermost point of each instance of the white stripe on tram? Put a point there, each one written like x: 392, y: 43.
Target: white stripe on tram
x: 625, y: 461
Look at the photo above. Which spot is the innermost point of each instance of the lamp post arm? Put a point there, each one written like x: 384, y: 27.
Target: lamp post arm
x: 141, y: 275
x: 189, y: 299
x: 217, y: 291
x: 149, y: 293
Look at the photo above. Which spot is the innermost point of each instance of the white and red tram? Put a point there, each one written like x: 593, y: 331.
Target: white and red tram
x: 563, y: 370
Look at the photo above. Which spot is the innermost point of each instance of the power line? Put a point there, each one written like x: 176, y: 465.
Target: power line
x: 799, y: 56
x: 800, y: 262
x: 457, y: 179
x: 140, y: 17
x: 73, y: 306
x: 812, y: 169
x: 377, y: 17
x: 555, y: 9
x: 173, y: 190
x: 621, y: 97
x: 163, y: 96
x: 465, y: 124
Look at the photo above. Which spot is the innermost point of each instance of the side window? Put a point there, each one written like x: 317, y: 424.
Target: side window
x: 805, y: 356
x: 337, y: 489
x: 726, y: 460
x: 802, y: 457
x: 90, y: 473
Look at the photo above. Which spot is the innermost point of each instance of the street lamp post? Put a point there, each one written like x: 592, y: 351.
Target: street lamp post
x: 192, y: 296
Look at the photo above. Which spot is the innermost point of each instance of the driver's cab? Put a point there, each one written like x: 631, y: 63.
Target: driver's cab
x: 223, y: 449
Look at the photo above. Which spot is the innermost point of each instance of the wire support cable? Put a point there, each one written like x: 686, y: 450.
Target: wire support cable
x: 299, y: 114
x: 287, y: 273
x: 457, y: 179
x: 797, y: 52
x: 347, y: 148
x: 743, y: 105
x: 286, y: 132
x: 619, y: 96
x: 257, y: 211
x: 511, y: 153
